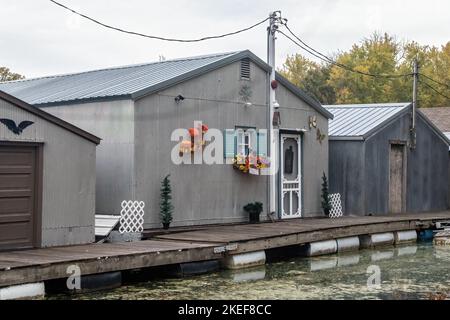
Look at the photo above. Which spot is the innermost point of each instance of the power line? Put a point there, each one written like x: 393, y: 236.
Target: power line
x: 158, y: 37
x: 327, y: 59
x: 434, y: 89
x: 435, y: 81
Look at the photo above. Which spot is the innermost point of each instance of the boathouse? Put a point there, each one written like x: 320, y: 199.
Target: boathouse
x: 379, y: 166
x: 135, y: 110
x: 47, y: 178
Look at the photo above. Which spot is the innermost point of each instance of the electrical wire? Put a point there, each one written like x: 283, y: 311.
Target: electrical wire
x: 158, y: 37
x: 435, y: 81
x: 434, y: 89
x: 327, y: 59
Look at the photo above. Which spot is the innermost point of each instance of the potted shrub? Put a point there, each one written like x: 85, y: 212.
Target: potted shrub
x: 326, y: 205
x: 254, y: 210
x: 166, y: 207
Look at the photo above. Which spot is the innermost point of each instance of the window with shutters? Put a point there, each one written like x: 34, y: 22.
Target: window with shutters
x: 245, y: 141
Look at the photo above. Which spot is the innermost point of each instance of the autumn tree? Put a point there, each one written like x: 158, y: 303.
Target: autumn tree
x: 380, y: 54
x: 309, y: 76
x: 7, y: 75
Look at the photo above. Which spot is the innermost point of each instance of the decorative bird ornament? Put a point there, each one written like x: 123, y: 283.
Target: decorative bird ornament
x: 16, y: 129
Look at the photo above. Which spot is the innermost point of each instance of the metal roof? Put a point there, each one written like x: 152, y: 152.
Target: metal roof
x: 359, y: 120
x: 119, y: 81
x: 132, y: 82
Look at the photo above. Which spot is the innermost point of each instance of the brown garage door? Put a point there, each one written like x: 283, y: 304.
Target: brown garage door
x: 17, y: 197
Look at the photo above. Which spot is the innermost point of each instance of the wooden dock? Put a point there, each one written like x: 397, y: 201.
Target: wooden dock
x: 208, y: 243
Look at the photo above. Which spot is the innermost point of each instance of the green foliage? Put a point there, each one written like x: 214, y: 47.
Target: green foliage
x: 326, y: 205
x: 7, y: 75
x: 256, y: 207
x: 166, y: 207
x: 309, y: 76
x: 378, y: 54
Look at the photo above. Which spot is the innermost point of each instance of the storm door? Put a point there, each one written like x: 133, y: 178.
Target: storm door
x: 290, y: 176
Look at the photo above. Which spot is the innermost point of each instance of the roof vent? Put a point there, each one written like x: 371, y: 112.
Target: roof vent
x: 245, y: 69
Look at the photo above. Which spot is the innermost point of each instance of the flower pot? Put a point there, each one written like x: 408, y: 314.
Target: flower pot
x: 166, y: 226
x: 254, y: 216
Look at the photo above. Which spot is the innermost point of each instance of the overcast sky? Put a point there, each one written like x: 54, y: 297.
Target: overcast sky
x: 38, y: 38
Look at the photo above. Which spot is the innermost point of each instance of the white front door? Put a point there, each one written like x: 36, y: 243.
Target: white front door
x: 290, y: 171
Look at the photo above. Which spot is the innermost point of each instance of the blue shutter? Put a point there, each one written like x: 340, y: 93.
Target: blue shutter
x: 262, y: 142
x: 229, y: 143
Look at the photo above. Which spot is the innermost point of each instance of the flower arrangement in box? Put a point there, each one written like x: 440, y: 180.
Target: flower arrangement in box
x: 251, y: 163
x: 241, y: 163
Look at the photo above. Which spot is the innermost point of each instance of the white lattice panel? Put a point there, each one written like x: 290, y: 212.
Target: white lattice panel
x: 336, y: 205
x: 132, y: 217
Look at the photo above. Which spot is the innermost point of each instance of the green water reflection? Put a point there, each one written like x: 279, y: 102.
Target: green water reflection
x: 408, y: 272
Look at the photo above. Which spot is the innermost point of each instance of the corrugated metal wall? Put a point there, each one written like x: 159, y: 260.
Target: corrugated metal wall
x: 113, y: 122
x: 216, y: 193
x: 68, y: 204
x: 347, y: 174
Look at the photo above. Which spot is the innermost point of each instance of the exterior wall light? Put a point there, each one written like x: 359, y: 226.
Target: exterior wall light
x: 179, y: 98
x: 276, y: 121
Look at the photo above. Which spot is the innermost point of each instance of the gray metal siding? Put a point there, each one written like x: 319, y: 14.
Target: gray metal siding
x: 216, y: 193
x: 427, y: 172
x: 68, y: 204
x: 112, y: 121
x: 347, y: 174
x: 202, y: 194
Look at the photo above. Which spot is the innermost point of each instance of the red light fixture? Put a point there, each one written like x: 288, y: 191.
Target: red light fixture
x: 274, y: 84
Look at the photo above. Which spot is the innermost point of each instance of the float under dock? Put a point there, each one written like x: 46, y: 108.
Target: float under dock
x: 208, y: 243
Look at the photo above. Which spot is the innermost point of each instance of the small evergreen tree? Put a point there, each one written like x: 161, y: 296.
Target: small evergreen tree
x: 166, y: 207
x: 326, y: 205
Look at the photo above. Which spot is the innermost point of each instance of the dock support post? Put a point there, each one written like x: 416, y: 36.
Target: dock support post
x: 377, y: 240
x: 23, y: 291
x: 244, y: 260
x: 321, y: 248
x: 405, y: 236
x: 348, y: 244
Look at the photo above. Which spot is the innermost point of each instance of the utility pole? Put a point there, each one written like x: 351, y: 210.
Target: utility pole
x: 273, y: 132
x: 414, y: 103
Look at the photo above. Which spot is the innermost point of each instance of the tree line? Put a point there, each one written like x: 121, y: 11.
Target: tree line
x: 377, y: 54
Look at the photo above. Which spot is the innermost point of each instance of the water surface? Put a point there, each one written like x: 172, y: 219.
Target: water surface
x: 408, y: 272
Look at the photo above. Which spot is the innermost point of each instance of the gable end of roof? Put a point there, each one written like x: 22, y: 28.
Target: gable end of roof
x: 48, y: 117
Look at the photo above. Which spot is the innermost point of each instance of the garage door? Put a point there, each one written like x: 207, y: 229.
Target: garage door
x: 17, y: 197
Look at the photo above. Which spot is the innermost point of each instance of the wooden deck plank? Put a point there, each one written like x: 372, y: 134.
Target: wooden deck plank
x: 239, y: 233
x: 26, y: 266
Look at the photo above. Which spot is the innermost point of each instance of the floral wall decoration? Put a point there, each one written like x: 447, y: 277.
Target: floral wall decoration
x: 196, y: 140
x: 245, y: 93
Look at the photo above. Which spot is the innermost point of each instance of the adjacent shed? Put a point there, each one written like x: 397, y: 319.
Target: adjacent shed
x: 375, y: 166
x: 47, y: 178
